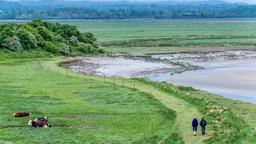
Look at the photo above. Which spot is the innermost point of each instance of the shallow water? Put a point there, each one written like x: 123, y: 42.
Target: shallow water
x: 234, y: 79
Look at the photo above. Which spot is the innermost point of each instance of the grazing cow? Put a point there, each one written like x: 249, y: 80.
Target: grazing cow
x: 39, y: 122
x: 21, y: 114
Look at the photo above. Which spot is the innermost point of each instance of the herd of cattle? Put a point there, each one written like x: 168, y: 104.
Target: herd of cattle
x: 41, y: 122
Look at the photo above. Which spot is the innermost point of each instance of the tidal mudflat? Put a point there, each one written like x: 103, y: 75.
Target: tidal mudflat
x: 227, y: 73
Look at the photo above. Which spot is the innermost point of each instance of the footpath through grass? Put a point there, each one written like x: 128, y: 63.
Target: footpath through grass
x: 229, y: 121
x: 80, y: 109
x: 185, y: 112
x: 95, y: 109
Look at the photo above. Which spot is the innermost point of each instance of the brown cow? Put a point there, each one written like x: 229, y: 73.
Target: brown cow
x: 21, y: 114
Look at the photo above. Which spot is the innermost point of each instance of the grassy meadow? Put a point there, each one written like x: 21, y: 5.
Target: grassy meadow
x: 96, y: 110
x: 79, y: 109
x: 154, y: 36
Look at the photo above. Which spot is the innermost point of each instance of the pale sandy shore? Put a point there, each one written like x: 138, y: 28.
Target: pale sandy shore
x: 230, y: 74
x: 119, y: 66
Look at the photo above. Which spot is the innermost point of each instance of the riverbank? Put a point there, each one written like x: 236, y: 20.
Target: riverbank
x: 202, y: 70
x: 227, y: 119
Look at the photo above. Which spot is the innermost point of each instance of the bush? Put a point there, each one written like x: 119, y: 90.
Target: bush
x: 12, y: 44
x: 6, y: 32
x: 86, y: 48
x: 46, y: 34
x: 51, y: 37
x: 73, y: 40
x: 50, y: 47
x: 64, y: 49
x: 27, y: 39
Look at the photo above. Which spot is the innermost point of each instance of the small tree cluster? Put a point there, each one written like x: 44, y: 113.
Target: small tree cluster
x: 55, y: 38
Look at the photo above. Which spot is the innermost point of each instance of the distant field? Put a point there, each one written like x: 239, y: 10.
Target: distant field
x: 142, y: 36
x: 138, y: 36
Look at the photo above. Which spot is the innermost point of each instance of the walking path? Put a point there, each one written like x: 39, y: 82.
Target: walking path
x: 185, y: 112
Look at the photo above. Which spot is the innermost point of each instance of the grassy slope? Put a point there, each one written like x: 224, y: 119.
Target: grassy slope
x: 181, y: 34
x: 80, y: 109
x: 229, y: 121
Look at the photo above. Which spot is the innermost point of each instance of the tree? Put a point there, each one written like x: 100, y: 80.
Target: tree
x: 73, y: 40
x: 45, y: 33
x: 27, y: 39
x: 50, y: 47
x: 6, y: 32
x: 86, y: 48
x: 12, y: 44
x: 64, y: 49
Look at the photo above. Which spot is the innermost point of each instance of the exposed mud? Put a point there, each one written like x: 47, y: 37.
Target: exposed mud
x: 227, y: 73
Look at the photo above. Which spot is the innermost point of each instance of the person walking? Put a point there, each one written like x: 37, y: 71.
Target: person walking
x: 203, y: 124
x: 194, y: 125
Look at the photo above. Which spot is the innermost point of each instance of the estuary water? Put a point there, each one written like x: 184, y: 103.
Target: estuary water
x: 231, y: 74
x: 235, y: 79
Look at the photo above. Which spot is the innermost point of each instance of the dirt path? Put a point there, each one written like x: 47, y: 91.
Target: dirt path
x: 185, y: 112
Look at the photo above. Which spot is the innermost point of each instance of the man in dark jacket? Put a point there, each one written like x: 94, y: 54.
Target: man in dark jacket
x: 194, y: 125
x: 203, y: 124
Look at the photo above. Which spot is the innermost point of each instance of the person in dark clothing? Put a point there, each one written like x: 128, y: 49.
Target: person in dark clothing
x: 203, y: 124
x: 194, y: 125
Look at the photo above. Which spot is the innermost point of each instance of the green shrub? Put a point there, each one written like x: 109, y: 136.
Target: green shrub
x: 50, y: 47
x: 12, y: 44
x: 64, y: 49
x: 73, y: 40
x: 27, y: 39
x: 51, y: 37
x: 45, y: 33
x: 86, y: 48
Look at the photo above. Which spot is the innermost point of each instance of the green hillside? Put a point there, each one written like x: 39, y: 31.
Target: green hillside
x: 47, y: 39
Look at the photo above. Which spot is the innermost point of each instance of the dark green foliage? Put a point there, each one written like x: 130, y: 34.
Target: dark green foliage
x: 50, y: 47
x: 27, y: 39
x: 6, y: 30
x: 51, y: 37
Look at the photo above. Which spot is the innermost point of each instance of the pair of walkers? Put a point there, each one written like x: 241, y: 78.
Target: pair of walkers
x: 203, y: 124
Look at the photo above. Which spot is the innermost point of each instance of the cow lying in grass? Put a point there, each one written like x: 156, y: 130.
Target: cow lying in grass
x: 39, y: 123
x: 21, y: 114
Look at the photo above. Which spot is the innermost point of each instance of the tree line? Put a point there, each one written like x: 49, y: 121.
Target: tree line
x: 122, y: 10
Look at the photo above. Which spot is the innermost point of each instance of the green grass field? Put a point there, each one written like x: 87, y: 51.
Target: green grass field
x: 143, y: 36
x: 86, y: 109
x: 92, y: 109
x: 80, y: 109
